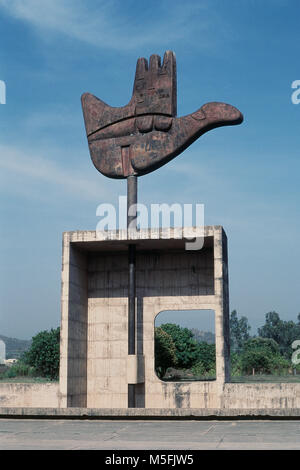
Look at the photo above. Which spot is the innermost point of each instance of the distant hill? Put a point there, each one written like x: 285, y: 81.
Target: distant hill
x: 15, y: 347
x: 206, y: 336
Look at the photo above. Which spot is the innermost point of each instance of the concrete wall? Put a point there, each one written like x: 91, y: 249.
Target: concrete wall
x: 95, y: 368
x: 2, y: 352
x: 261, y: 396
x: 73, y: 340
x: 94, y: 315
x: 254, y: 396
x: 29, y: 395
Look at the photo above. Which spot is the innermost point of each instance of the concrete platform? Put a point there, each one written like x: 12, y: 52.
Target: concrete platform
x: 151, y: 436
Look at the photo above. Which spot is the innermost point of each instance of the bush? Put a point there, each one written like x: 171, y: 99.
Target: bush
x: 262, y: 355
x: 257, y: 360
x: 267, y: 344
x: 43, y: 354
x: 279, y: 364
x: 198, y: 369
x: 165, y: 352
x: 19, y: 369
x: 185, y: 344
x: 207, y: 355
x: 235, y: 364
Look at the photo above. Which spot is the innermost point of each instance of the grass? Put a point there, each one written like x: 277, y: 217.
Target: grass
x: 21, y: 373
x: 180, y: 375
x: 189, y: 379
x: 261, y: 378
x: 186, y: 375
x: 240, y: 379
x: 23, y: 380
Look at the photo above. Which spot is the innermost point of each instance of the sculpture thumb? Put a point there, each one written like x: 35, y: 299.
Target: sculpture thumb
x: 150, y: 153
x: 98, y: 114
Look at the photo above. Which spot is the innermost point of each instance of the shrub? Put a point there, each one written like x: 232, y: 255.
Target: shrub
x: 43, y: 354
x: 185, y: 344
x: 198, y: 369
x: 207, y: 355
x: 165, y: 352
x: 19, y: 369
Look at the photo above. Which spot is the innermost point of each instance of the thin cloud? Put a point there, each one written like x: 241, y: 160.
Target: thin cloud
x: 58, y: 119
x: 110, y: 25
x: 16, y: 163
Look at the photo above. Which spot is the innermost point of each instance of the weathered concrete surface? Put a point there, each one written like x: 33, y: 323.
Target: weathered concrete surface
x: 141, y: 435
x: 257, y: 399
x: 284, y: 396
x: 95, y: 369
x: 150, y: 413
x: 29, y: 395
x: 2, y: 352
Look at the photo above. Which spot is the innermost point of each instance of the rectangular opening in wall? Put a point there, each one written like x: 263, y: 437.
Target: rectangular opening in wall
x: 185, y: 345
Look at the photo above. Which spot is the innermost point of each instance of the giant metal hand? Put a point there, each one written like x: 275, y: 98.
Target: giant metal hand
x: 144, y: 135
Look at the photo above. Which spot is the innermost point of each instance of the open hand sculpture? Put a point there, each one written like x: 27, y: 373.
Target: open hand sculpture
x: 145, y: 134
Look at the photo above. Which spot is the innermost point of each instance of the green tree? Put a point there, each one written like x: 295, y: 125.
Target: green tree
x: 258, y: 342
x: 43, y: 354
x: 235, y: 364
x: 257, y: 361
x: 239, y: 331
x: 207, y: 355
x: 262, y: 355
x: 165, y: 352
x: 206, y: 362
x: 187, y: 351
x: 283, y: 332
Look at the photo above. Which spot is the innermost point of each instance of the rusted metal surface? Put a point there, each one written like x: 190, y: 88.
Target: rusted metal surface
x: 144, y: 135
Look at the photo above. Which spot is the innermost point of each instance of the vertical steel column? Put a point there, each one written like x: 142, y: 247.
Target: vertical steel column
x: 131, y: 299
x: 131, y: 225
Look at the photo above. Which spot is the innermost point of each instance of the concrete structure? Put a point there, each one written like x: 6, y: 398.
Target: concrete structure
x: 236, y: 399
x: 28, y: 395
x: 2, y: 352
x: 95, y: 368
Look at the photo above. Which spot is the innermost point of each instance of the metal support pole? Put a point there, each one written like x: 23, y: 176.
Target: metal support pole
x: 131, y: 202
x: 131, y: 225
x: 131, y: 299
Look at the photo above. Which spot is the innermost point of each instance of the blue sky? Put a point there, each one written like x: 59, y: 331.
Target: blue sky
x: 244, y: 52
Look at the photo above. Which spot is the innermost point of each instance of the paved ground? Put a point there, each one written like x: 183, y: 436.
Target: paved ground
x: 139, y: 435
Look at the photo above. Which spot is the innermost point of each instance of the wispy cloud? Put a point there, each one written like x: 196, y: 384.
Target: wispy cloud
x: 113, y: 25
x: 58, y: 118
x: 17, y: 164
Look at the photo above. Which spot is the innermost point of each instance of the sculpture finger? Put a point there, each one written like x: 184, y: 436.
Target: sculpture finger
x: 154, y: 90
x: 141, y: 68
x: 218, y: 114
x: 154, y: 64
